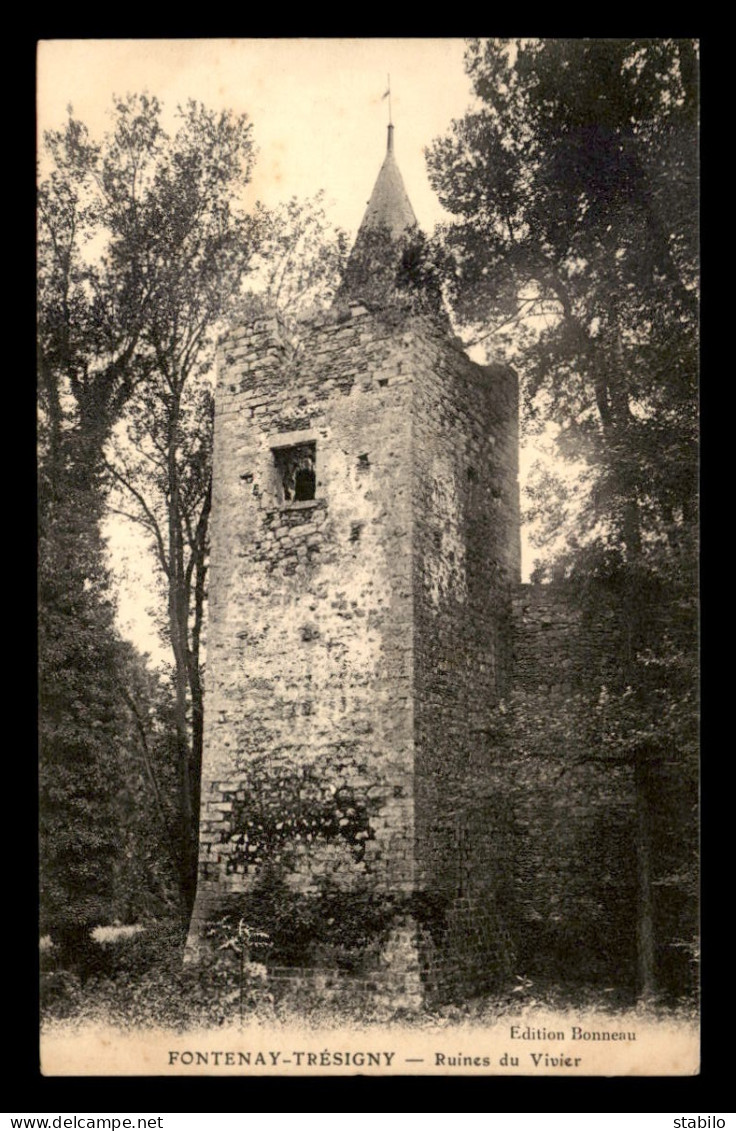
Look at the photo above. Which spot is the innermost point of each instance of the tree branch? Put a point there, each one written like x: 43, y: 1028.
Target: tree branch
x: 152, y: 523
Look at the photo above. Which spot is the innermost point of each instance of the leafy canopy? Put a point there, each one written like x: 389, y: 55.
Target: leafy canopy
x: 574, y: 185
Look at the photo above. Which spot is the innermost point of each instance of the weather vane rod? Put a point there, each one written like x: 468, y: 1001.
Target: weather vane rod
x: 388, y: 95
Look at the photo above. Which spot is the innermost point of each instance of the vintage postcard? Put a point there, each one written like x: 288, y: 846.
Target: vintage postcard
x: 368, y: 533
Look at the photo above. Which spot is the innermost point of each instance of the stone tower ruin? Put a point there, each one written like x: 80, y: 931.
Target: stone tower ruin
x: 365, y: 553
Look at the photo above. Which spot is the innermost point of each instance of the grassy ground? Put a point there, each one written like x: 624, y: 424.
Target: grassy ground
x: 139, y: 982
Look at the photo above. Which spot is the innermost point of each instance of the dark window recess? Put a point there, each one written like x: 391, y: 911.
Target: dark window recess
x: 383, y: 382
x: 355, y: 529
x: 363, y: 462
x: 304, y: 484
x: 296, y: 468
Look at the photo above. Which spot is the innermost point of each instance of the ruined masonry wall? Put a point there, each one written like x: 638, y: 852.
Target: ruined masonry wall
x: 309, y: 695
x: 563, y: 815
x: 466, y: 565
x: 564, y: 811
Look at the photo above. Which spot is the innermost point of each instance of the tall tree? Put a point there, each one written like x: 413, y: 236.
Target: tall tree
x: 139, y: 237
x: 82, y: 720
x: 89, y: 322
x: 574, y: 185
x: 161, y: 464
x: 204, y: 242
x: 575, y: 188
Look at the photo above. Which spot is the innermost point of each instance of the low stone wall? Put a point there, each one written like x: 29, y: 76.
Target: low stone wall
x: 298, y: 985
x: 467, y: 954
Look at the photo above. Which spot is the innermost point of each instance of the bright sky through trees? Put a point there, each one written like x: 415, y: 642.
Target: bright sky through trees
x: 316, y: 105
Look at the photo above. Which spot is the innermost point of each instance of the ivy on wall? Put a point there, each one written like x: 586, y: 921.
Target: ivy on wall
x: 279, y: 810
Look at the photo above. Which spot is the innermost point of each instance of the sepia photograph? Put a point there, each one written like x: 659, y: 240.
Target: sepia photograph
x: 368, y: 557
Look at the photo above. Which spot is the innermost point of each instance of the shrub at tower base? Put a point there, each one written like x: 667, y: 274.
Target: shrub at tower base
x: 336, y: 918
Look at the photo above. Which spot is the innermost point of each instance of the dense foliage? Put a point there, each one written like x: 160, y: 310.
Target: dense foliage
x: 81, y: 717
x: 136, y: 243
x: 574, y: 187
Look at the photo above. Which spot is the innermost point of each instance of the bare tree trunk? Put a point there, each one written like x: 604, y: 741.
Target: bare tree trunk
x: 168, y: 839
x: 178, y: 630
x: 199, y: 552
x: 612, y: 393
x: 646, y: 971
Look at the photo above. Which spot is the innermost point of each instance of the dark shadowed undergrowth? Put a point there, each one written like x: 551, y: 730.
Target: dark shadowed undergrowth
x: 141, y: 982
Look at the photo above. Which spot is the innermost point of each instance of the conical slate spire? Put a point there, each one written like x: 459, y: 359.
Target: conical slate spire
x: 389, y: 206
x: 387, y: 231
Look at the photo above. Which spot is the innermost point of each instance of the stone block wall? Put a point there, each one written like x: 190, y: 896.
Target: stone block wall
x: 466, y: 567
x: 554, y: 647
x: 565, y: 809
x: 565, y: 816
x: 309, y: 715
x: 357, y: 639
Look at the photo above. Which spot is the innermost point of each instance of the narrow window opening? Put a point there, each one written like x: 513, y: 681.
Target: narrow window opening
x: 363, y: 462
x: 355, y: 529
x: 296, y: 469
x: 383, y: 382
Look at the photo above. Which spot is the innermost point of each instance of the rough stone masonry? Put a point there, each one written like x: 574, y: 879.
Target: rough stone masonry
x: 357, y: 634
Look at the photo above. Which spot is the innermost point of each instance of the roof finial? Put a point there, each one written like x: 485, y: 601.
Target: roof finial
x: 390, y: 146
